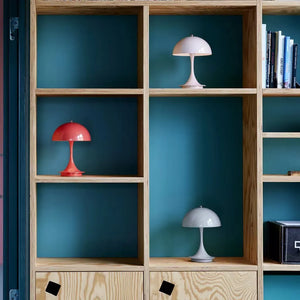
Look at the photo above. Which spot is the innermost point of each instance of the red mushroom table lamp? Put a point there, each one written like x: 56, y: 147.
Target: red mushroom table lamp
x: 71, y: 132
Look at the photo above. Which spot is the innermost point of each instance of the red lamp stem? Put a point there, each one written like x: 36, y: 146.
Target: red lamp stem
x: 71, y: 169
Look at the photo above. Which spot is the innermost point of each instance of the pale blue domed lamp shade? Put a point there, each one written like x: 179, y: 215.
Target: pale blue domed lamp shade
x: 201, y: 217
x: 192, y: 46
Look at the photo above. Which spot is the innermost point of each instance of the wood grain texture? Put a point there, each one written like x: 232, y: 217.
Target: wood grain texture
x: 155, y: 7
x: 221, y: 92
x: 281, y: 7
x: 205, y: 285
x: 281, y: 92
x: 271, y: 265
x: 281, y: 135
x: 88, y: 179
x: 91, y: 285
x: 280, y: 178
x: 87, y: 92
x: 88, y: 264
x: 185, y: 264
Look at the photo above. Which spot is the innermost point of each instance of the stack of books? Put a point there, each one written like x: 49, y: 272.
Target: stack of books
x: 279, y: 60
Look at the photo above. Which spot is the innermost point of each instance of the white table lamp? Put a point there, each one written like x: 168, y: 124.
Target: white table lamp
x: 192, y: 46
x: 201, y: 217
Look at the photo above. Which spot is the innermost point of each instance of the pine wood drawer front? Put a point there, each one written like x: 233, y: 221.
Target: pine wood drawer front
x: 90, y: 285
x: 204, y: 285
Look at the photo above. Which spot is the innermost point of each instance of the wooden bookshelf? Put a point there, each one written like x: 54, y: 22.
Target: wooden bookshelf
x: 280, y: 178
x: 273, y: 266
x: 281, y: 135
x: 281, y: 92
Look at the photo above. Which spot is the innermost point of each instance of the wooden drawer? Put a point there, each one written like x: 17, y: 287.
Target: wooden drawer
x: 204, y: 285
x: 90, y: 285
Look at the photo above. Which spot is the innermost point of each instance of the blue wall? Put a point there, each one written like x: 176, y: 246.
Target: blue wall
x: 87, y: 220
x: 195, y: 159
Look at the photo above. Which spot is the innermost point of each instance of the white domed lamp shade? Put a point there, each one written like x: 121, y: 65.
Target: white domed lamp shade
x: 201, y: 217
x: 192, y: 46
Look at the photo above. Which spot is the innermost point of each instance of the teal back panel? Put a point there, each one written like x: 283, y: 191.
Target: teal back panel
x: 87, y: 220
x: 112, y: 123
x: 195, y: 159
x: 222, y: 69
x: 281, y: 203
x: 281, y: 286
x: 87, y: 51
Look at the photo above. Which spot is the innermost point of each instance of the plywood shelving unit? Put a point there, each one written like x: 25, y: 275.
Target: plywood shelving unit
x: 143, y: 269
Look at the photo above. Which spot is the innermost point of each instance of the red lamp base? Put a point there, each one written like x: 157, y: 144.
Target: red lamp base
x: 71, y: 174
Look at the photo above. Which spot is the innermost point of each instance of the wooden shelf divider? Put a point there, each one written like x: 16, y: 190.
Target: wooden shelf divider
x: 281, y: 135
x: 271, y: 265
x: 281, y: 92
x: 184, y: 264
x: 280, y: 178
x: 88, y: 179
x: 280, y: 7
x: 210, y: 92
x: 87, y: 264
x: 87, y: 92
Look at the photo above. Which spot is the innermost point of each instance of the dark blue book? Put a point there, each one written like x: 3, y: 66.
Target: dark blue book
x: 273, y: 82
x: 294, y: 66
x: 268, y: 59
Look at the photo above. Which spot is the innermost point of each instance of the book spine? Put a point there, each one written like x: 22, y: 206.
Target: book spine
x: 286, y: 61
x: 291, y: 63
x: 294, y: 68
x: 264, y: 53
x: 276, y: 64
x: 268, y: 59
x: 272, y: 63
x: 280, y: 62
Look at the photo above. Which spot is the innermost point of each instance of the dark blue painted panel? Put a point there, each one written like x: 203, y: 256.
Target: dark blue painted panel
x: 284, y: 286
x: 224, y: 35
x: 281, y: 155
x: 112, y: 123
x: 87, y: 51
x: 195, y: 159
x: 281, y: 114
x: 87, y: 220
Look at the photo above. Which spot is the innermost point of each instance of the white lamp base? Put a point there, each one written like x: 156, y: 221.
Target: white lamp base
x: 201, y: 255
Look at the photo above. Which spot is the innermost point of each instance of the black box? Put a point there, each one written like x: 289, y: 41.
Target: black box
x: 284, y: 241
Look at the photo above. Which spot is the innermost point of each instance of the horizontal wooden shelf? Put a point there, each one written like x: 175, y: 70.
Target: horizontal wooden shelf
x: 281, y: 92
x: 271, y: 265
x: 201, y: 92
x: 132, y: 7
x: 280, y: 178
x: 281, y: 7
x: 281, y: 135
x: 87, y: 264
x: 185, y: 264
x: 87, y: 92
x: 88, y: 179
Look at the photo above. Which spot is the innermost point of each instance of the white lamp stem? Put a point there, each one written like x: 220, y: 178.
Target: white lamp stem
x: 202, y: 255
x: 192, y: 81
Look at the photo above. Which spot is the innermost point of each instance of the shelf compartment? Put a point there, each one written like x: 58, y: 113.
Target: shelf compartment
x: 281, y: 135
x: 90, y: 220
x: 185, y: 264
x: 210, y: 92
x: 87, y: 264
x: 271, y: 265
x: 88, y: 179
x: 281, y: 7
x: 73, y: 53
x: 113, y: 124
x: 281, y: 92
x: 87, y: 92
x: 280, y: 178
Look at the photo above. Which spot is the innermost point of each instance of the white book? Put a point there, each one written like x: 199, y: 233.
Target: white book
x: 291, y: 63
x: 264, y: 54
x: 280, y: 60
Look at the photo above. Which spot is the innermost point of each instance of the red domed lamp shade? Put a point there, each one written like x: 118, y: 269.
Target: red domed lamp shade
x: 71, y: 132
